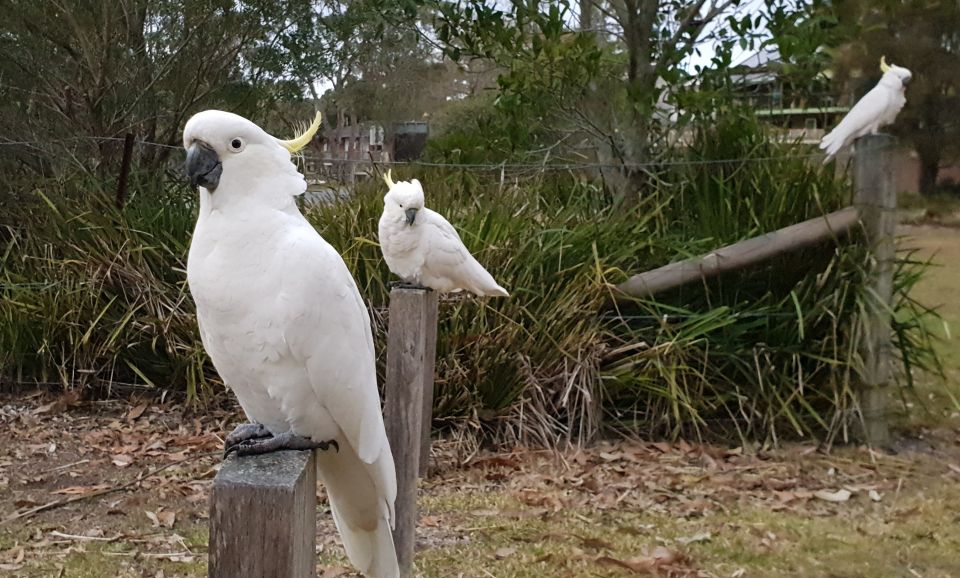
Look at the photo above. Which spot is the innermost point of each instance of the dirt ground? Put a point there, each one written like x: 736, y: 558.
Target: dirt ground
x: 111, y: 489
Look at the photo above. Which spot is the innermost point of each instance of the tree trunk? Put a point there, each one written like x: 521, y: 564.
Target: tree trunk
x: 629, y: 146
x: 586, y: 15
x: 929, y: 169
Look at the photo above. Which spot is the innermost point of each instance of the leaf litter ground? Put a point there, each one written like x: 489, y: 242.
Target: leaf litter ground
x: 115, y: 489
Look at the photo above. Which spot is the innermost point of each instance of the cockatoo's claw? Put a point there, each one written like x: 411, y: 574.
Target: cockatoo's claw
x: 284, y: 441
x: 406, y: 285
x: 242, y: 433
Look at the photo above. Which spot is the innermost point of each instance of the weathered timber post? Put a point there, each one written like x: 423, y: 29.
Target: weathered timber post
x: 263, y: 517
x: 876, y: 197
x: 429, y: 369
x: 411, y: 349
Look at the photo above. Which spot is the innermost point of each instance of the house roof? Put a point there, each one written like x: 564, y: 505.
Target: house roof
x: 758, y: 67
x: 761, y: 59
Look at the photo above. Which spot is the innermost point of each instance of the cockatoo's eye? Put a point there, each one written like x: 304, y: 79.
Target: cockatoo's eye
x: 236, y: 145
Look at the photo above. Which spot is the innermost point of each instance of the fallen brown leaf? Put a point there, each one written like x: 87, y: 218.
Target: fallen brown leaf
x: 431, y: 521
x: 595, y: 543
x: 153, y: 518
x: 14, y: 555
x: 167, y: 518
x: 841, y: 495
x: 80, y: 490
x: 335, y: 572
x: 502, y: 553
x: 136, y: 412
x: 699, y: 537
x: 122, y: 460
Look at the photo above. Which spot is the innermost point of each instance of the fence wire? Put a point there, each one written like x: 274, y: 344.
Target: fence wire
x: 502, y: 166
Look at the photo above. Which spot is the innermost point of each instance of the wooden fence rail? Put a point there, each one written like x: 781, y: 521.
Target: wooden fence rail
x: 742, y: 254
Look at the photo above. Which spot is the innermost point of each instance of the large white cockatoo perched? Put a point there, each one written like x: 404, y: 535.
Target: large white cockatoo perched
x: 423, y: 248
x: 877, y: 108
x: 286, y: 328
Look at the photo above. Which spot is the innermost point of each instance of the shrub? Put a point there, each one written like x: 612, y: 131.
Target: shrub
x: 95, y: 296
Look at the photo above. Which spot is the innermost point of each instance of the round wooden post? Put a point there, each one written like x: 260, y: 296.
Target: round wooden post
x: 876, y: 197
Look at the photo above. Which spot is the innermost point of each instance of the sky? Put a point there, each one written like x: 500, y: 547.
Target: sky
x: 708, y: 49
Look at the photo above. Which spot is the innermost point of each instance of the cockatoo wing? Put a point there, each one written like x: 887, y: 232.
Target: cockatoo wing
x: 863, y: 118
x: 340, y: 361
x: 447, y: 256
x: 341, y: 370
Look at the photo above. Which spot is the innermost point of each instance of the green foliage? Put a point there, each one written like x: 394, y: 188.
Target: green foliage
x: 93, y: 296
x: 89, y: 292
x: 475, y: 131
x: 608, y: 92
x: 101, y: 69
x: 923, y: 36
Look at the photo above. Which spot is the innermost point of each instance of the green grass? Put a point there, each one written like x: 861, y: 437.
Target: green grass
x: 876, y: 540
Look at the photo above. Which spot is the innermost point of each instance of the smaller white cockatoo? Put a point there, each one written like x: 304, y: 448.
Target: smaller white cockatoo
x: 423, y: 248
x: 877, y: 108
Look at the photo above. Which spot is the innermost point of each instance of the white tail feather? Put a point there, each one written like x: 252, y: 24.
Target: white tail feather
x: 361, y: 510
x: 481, y: 282
x: 832, y: 143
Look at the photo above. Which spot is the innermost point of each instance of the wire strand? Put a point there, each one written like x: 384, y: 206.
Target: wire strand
x: 569, y: 166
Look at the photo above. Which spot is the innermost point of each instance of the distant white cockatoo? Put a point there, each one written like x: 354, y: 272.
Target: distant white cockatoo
x: 286, y: 328
x: 877, y: 108
x: 423, y: 248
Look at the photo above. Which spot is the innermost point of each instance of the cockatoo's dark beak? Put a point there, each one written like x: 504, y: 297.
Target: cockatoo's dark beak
x: 906, y: 80
x: 411, y: 215
x: 203, y: 166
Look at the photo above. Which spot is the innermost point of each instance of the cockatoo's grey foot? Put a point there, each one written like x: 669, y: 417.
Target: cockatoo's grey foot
x: 407, y: 285
x: 284, y: 441
x: 242, y: 433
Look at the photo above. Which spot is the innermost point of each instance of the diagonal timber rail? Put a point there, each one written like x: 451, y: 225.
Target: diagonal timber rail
x: 742, y: 254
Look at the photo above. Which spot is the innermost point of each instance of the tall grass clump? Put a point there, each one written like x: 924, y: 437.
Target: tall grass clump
x: 92, y: 293
x: 94, y: 296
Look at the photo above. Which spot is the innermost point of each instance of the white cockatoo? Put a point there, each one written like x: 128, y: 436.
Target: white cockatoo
x: 877, y: 108
x: 286, y: 328
x: 423, y: 248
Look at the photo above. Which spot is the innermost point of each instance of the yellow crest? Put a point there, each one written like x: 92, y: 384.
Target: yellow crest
x: 884, y: 67
x: 388, y: 179
x: 296, y: 144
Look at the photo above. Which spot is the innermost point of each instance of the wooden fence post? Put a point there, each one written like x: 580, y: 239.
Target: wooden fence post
x: 263, y: 517
x: 876, y: 197
x: 429, y: 369
x: 411, y: 344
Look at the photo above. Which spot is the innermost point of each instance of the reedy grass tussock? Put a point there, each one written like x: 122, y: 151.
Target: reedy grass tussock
x: 93, y: 296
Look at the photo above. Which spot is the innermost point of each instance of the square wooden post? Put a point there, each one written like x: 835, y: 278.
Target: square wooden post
x: 263, y: 517
x: 429, y: 371
x: 411, y: 350
x: 876, y: 197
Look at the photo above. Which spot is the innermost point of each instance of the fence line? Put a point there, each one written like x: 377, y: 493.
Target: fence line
x: 7, y: 141
x: 540, y: 166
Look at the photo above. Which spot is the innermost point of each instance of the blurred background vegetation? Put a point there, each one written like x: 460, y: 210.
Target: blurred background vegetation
x: 610, y: 138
